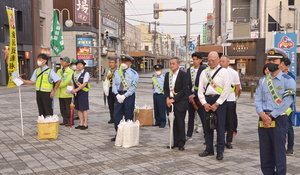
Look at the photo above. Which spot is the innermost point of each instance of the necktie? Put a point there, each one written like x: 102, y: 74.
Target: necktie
x: 121, y: 85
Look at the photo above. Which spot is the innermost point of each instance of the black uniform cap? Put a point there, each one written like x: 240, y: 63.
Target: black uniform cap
x: 158, y: 67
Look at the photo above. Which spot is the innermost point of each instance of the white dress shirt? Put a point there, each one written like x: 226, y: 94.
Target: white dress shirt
x: 85, y: 78
x: 195, y: 75
x: 222, y: 79
x: 174, y: 80
x: 235, y: 80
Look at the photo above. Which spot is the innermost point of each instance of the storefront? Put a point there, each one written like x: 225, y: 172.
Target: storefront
x: 247, y: 56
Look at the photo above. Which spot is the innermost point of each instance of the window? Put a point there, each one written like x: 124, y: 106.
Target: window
x: 273, y: 25
x: 291, y: 2
x: 41, y: 32
x: 146, y: 48
x: 6, y: 33
x: 40, y: 4
x: 19, y: 21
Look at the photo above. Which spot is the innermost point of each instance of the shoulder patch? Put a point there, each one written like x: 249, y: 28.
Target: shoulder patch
x: 134, y: 71
x: 286, y: 76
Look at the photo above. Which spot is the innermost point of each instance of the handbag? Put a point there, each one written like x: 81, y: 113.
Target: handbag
x: 211, y: 121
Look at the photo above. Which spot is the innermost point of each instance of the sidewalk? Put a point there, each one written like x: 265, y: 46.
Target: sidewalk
x: 91, y: 151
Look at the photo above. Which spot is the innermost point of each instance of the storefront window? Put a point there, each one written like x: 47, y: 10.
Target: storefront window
x: 42, y: 31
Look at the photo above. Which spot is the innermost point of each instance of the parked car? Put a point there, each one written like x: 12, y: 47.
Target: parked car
x: 182, y: 67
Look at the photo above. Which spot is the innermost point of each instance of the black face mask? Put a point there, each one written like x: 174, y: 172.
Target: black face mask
x: 273, y: 67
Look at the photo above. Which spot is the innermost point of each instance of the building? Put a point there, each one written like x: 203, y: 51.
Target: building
x: 28, y: 45
x: 132, y: 38
x: 168, y: 44
x: 82, y: 39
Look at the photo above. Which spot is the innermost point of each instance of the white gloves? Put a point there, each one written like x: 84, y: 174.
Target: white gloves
x: 120, y: 98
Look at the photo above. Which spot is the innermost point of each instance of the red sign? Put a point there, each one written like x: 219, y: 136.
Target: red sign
x: 85, y: 57
x: 286, y: 43
x: 27, y: 55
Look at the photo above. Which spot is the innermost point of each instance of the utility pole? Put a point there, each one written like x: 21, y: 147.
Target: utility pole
x: 188, y: 12
x: 99, y: 50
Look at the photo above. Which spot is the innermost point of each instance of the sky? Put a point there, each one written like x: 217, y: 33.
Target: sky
x: 142, y: 10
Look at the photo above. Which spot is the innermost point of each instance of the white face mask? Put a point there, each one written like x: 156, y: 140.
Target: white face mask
x: 158, y: 72
x: 39, y: 63
x: 74, y: 67
x: 124, y: 66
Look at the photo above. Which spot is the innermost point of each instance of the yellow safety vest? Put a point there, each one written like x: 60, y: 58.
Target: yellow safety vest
x: 42, y: 83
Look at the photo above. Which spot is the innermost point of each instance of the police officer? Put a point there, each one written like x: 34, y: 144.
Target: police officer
x: 194, y: 74
x: 109, y: 74
x: 159, y: 99
x: 214, y: 88
x: 231, y: 117
x: 124, y: 85
x: 65, y: 73
x: 43, y: 77
x: 273, y: 98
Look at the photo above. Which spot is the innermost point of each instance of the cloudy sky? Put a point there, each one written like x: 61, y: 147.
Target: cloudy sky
x: 172, y: 21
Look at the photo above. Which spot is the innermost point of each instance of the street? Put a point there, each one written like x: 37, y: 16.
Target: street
x: 91, y: 151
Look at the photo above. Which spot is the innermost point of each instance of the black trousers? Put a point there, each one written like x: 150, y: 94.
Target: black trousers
x: 231, y: 120
x: 179, y: 128
x: 201, y: 113
x: 65, y: 109
x: 159, y: 109
x: 209, y: 135
x: 44, y: 103
x: 111, y: 102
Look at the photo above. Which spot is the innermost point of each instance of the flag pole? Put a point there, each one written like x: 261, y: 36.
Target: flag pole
x: 21, y: 111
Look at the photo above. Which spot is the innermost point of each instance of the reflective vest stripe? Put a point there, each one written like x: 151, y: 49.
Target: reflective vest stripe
x: 42, y: 83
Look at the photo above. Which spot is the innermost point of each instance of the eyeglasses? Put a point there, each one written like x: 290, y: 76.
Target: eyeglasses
x: 212, y: 60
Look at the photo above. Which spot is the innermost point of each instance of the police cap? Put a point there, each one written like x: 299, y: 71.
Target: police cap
x: 125, y: 58
x: 158, y: 67
x: 80, y: 61
x: 276, y: 53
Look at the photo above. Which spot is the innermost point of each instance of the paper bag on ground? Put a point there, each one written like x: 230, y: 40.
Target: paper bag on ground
x: 145, y: 116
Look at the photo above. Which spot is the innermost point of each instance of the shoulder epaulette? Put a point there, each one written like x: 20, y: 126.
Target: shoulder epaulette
x: 286, y: 76
x: 134, y: 71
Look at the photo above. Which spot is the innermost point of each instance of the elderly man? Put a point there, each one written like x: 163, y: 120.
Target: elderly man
x: 175, y: 89
x: 274, y: 95
x: 214, y: 88
x: 231, y: 117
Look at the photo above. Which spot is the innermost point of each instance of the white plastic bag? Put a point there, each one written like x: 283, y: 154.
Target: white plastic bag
x: 128, y: 134
x: 119, y: 137
x: 106, y: 85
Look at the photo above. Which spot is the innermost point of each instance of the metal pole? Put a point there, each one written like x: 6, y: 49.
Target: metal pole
x: 187, y: 32
x: 154, y: 45
x: 99, y: 53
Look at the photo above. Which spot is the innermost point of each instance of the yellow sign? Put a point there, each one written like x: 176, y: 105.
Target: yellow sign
x: 272, y: 125
x: 13, y: 53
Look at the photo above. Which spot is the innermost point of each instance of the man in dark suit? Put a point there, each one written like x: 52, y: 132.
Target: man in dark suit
x: 193, y: 78
x: 175, y: 88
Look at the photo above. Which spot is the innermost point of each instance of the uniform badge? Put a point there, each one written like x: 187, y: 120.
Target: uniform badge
x: 271, y: 52
x: 162, y: 80
x: 129, y: 77
x: 81, y: 77
x: 279, y: 87
x: 157, y: 67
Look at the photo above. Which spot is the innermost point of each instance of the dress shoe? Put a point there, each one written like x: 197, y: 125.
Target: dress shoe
x: 219, y: 156
x: 76, y: 118
x: 113, y: 139
x: 162, y: 126
x: 205, y: 153
x: 228, y: 145
x: 79, y: 127
x: 111, y: 121
x: 84, y: 127
x: 156, y: 125
x: 289, y: 151
x: 181, y: 148
x: 188, y: 138
x: 62, y: 123
x: 172, y: 147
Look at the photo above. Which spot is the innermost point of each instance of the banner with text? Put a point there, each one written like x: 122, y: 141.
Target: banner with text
x: 13, y: 53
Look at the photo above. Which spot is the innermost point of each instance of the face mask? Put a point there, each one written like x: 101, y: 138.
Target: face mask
x: 124, y: 66
x: 74, y: 67
x: 158, y: 72
x: 39, y: 63
x: 273, y: 67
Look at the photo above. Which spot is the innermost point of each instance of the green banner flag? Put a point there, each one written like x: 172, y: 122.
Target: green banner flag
x: 56, y: 42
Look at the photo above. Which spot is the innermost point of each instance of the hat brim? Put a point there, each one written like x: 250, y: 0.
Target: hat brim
x: 274, y: 57
x: 81, y: 63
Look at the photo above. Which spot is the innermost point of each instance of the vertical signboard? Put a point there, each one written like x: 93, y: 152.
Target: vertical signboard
x: 204, y: 33
x: 83, y: 50
x: 82, y: 11
x: 288, y: 43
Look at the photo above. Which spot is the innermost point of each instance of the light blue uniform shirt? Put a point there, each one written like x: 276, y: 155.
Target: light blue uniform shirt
x: 132, y: 78
x: 264, y: 100
x: 52, y: 78
x: 160, y: 80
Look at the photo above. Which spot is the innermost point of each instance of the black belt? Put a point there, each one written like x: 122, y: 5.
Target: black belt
x: 214, y: 95
x: 121, y: 92
x: 157, y: 94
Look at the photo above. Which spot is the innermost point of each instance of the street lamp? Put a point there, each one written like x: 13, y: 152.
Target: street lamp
x: 295, y: 17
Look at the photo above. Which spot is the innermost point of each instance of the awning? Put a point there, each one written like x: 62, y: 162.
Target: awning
x: 242, y: 57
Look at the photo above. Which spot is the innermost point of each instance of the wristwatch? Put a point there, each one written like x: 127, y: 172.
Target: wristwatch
x: 217, y: 105
x: 270, y: 115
